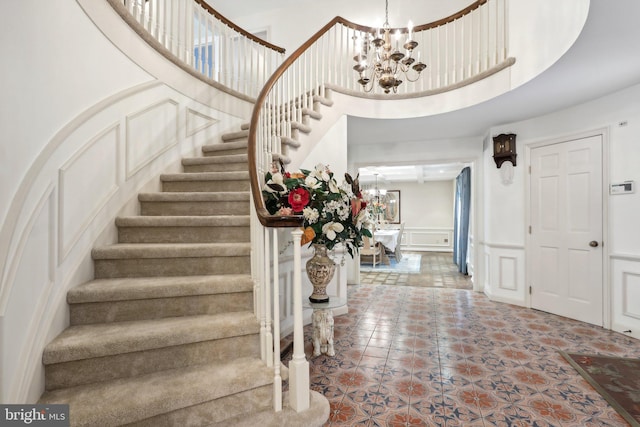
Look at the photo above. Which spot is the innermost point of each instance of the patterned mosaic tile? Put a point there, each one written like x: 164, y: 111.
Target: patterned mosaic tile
x: 418, y: 356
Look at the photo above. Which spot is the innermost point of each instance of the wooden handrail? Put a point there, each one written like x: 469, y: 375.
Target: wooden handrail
x: 237, y: 28
x: 265, y: 218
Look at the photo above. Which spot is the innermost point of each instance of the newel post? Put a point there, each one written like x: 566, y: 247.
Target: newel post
x: 299, y: 366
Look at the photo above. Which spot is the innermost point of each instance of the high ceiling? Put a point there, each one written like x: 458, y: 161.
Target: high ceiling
x: 603, y: 60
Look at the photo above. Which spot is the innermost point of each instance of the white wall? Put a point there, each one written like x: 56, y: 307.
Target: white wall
x: 504, y: 206
x: 428, y: 204
x: 426, y: 209
x: 40, y: 92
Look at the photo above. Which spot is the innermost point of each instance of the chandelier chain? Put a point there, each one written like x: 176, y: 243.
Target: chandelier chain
x: 386, y: 14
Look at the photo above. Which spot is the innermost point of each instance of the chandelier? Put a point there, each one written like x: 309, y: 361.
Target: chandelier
x: 387, y: 63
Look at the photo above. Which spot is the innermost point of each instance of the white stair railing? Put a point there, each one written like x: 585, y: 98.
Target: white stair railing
x: 202, y: 39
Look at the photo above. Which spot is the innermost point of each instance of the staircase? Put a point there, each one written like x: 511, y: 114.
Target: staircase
x: 166, y: 335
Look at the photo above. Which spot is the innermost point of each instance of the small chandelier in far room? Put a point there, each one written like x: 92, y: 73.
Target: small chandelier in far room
x: 386, y: 63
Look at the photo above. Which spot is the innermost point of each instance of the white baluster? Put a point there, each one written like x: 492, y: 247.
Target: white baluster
x: 299, y: 366
x: 277, y: 378
x: 268, y: 337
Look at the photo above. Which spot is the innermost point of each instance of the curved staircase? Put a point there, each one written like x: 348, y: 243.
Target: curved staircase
x: 166, y: 335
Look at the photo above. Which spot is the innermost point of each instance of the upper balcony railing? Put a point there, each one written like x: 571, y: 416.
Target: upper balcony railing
x: 206, y: 43
x: 458, y: 50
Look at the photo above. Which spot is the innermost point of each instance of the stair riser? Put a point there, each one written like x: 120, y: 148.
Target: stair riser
x: 215, y: 412
x: 218, y: 153
x: 217, y: 167
x: 154, y: 267
x: 87, y: 371
x: 184, y: 234
x: 157, y: 308
x: 194, y: 208
x: 206, y: 186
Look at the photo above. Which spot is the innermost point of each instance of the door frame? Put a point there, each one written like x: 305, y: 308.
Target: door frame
x: 606, y: 281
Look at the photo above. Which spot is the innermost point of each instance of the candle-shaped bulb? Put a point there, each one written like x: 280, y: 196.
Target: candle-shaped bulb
x: 410, y: 29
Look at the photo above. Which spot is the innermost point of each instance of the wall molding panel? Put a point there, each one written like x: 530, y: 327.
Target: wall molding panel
x: 197, y: 121
x: 38, y: 243
x: 504, y: 278
x: 508, y: 273
x: 145, y: 140
x: 98, y: 160
x: 630, y: 293
x: 427, y: 239
x: 625, y: 289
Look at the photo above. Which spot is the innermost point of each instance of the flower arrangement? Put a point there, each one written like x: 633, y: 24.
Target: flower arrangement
x: 332, y: 213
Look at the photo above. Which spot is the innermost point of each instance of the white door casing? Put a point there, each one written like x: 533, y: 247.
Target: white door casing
x: 566, y: 242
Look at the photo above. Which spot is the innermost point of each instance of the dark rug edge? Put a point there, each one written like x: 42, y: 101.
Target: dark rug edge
x: 614, y: 403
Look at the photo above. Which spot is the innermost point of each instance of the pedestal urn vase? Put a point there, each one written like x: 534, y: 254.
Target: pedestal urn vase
x: 320, y: 270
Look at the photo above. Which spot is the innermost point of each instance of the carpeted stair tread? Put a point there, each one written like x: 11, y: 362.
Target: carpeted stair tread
x: 205, y: 176
x: 230, y: 158
x: 184, y: 221
x: 123, y: 289
x: 129, y: 400
x: 285, y: 140
x: 233, y: 136
x: 277, y: 157
x: 245, y: 126
x: 195, y: 196
x: 301, y: 127
x: 107, y: 339
x: 322, y: 100
x: 170, y: 250
x: 316, y: 416
x: 312, y: 113
x: 225, y: 146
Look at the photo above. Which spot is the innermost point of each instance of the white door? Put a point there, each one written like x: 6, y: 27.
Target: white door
x: 566, y: 229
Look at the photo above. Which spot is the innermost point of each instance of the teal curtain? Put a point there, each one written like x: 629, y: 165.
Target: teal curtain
x: 461, y: 219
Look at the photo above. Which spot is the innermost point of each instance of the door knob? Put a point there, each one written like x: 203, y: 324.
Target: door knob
x: 593, y: 244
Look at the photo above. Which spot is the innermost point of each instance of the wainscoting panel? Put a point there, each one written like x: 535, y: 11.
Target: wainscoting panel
x: 91, y: 176
x: 508, y: 273
x: 427, y: 239
x: 625, y: 286
x: 631, y: 295
x: 504, y: 275
x: 197, y: 121
x: 145, y: 140
x: 31, y: 298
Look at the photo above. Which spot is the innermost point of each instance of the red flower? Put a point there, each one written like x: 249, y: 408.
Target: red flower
x: 298, y: 199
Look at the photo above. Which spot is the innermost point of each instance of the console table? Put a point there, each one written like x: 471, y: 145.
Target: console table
x: 322, y: 324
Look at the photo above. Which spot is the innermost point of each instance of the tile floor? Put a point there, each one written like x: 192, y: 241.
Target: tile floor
x: 436, y: 270
x: 417, y: 356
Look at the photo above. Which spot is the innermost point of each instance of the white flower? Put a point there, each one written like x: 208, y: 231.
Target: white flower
x: 321, y: 172
x: 333, y: 186
x: 311, y: 215
x: 331, y: 228
x: 278, y: 179
x: 312, y: 183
